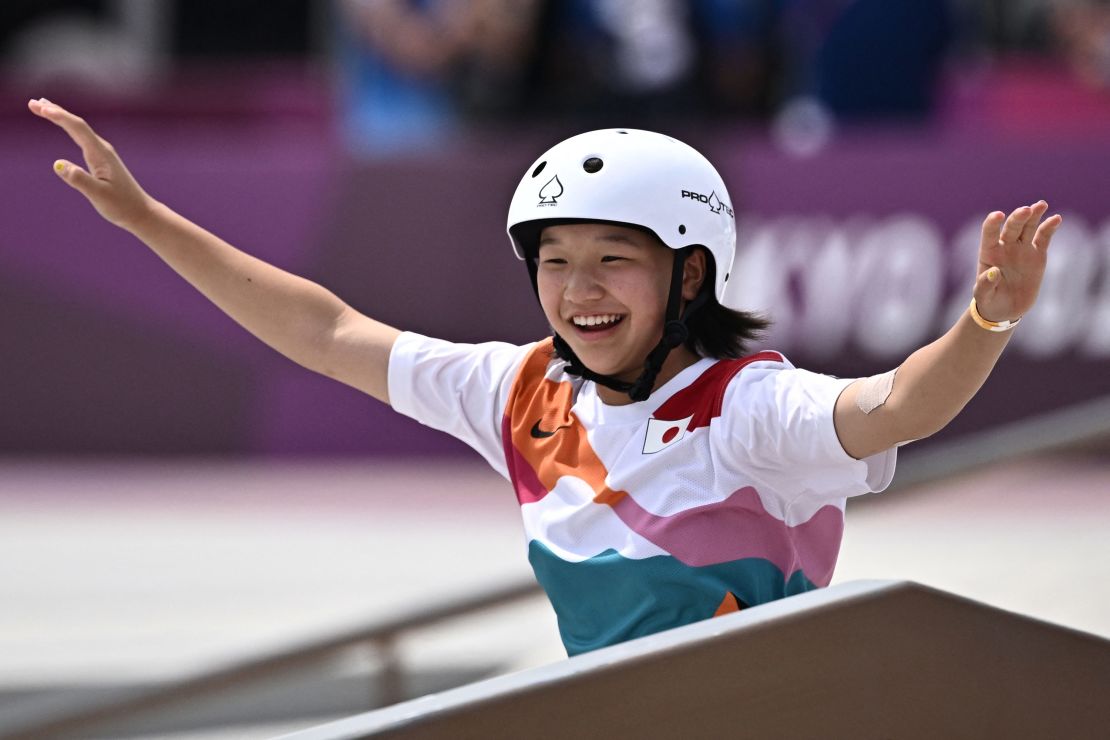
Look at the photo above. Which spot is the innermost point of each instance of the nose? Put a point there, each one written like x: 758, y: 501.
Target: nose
x: 582, y: 285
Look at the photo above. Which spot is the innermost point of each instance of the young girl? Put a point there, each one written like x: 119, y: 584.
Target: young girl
x: 664, y: 475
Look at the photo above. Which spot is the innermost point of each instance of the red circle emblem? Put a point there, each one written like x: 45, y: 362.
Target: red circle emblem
x: 670, y: 434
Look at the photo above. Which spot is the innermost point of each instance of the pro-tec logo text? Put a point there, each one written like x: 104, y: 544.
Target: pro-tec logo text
x: 715, y: 204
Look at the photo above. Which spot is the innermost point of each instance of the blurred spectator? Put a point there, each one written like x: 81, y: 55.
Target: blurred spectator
x: 868, y: 58
x: 1007, y: 26
x: 110, y: 46
x: 1082, y: 29
x: 239, y: 30
x: 617, y: 61
x: 409, y: 66
x: 412, y: 72
x: 131, y: 52
x: 858, y: 60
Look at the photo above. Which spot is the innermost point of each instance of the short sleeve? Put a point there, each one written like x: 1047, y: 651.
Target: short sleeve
x: 783, y: 418
x: 456, y: 388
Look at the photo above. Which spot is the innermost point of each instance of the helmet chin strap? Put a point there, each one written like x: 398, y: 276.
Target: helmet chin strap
x: 675, y: 334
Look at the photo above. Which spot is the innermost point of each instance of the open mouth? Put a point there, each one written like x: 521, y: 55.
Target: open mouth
x: 596, y: 323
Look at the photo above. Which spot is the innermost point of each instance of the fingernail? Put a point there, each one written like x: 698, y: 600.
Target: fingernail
x: 59, y: 167
x: 992, y: 274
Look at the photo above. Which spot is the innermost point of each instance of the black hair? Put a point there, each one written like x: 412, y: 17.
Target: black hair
x: 718, y: 331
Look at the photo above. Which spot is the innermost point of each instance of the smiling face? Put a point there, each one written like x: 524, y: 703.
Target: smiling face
x: 604, y: 290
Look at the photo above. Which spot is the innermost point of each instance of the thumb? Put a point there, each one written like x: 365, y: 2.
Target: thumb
x: 987, y: 282
x: 76, y: 177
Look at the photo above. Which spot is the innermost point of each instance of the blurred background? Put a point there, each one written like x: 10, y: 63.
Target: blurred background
x: 175, y: 498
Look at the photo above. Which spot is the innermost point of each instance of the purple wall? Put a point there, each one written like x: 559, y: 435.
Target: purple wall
x: 860, y: 252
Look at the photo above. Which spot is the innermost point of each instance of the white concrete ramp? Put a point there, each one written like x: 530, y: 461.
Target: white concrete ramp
x: 862, y: 659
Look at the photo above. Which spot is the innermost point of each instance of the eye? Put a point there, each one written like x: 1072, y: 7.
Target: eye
x: 613, y: 258
x: 553, y: 261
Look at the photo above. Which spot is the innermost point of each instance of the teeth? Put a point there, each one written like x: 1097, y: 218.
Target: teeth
x: 595, y: 320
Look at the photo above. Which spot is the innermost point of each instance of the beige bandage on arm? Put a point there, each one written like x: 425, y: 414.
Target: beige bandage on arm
x: 874, y: 391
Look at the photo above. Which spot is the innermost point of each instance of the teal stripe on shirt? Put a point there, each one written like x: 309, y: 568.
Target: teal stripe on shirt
x: 608, y: 599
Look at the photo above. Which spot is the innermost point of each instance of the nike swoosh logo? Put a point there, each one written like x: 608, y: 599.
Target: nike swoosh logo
x: 541, y: 434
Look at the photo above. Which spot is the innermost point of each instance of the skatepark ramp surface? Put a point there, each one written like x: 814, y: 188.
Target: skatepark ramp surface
x: 861, y: 659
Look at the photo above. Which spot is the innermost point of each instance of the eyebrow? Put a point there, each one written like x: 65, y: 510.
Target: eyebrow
x: 614, y: 237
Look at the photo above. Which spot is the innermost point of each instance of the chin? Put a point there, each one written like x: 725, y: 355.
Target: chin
x: 604, y: 365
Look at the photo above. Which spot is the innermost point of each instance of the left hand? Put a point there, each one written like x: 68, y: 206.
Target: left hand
x: 1012, y: 259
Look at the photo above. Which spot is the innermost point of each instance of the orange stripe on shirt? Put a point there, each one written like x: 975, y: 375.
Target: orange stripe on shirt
x: 728, y: 605
x: 547, y: 434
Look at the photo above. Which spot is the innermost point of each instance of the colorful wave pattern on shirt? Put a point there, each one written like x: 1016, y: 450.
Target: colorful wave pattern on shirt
x: 719, y: 557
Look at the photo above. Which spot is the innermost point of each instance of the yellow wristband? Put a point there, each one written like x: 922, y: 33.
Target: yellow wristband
x: 990, y: 325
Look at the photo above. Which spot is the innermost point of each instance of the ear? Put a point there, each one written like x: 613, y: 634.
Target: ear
x: 693, y: 274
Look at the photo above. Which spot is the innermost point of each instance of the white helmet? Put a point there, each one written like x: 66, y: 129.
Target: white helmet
x: 631, y: 177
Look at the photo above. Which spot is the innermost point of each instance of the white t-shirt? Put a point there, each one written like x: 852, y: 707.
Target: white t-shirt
x: 724, y: 489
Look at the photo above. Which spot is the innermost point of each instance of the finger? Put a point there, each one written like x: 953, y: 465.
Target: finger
x: 1015, y: 223
x: 987, y: 282
x: 76, y: 178
x: 1044, y: 234
x: 991, y: 275
x: 77, y: 128
x: 1037, y: 210
x: 36, y: 104
x: 992, y: 229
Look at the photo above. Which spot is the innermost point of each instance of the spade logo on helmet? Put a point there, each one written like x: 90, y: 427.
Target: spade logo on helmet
x: 715, y: 204
x: 550, y: 192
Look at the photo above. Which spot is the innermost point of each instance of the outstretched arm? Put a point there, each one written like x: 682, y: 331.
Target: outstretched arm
x: 937, y: 381
x: 300, y: 319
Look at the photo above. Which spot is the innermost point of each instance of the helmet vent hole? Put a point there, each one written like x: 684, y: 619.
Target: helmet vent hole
x: 622, y: 132
x: 682, y: 228
x: 592, y: 165
x: 727, y: 276
x: 539, y: 168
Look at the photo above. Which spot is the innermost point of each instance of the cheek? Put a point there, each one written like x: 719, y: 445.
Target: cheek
x: 646, y: 296
x: 549, y: 292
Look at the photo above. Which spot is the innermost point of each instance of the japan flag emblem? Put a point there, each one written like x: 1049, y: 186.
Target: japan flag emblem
x: 662, y: 433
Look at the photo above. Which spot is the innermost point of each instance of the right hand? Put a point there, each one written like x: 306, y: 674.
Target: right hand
x: 107, y: 184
